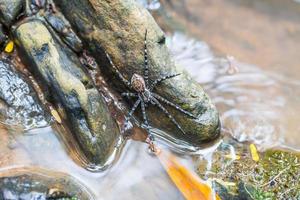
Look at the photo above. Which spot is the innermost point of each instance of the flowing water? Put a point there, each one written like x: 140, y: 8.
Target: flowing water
x: 256, y: 104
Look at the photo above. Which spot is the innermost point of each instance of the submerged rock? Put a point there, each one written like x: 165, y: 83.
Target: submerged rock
x: 25, y: 185
x: 85, y: 109
x: 22, y: 103
x: 118, y: 28
x: 9, y: 10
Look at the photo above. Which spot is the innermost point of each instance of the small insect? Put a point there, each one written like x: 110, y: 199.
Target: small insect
x: 143, y: 91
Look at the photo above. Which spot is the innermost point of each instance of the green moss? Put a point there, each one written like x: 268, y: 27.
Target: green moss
x: 274, y: 176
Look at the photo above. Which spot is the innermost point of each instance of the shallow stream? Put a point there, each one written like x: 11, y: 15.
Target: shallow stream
x: 257, y: 104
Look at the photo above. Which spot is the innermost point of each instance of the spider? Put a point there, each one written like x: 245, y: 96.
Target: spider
x: 143, y: 91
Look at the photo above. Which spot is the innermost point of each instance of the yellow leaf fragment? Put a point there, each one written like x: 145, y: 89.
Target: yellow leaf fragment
x: 254, y: 152
x: 56, y: 116
x: 234, y: 157
x: 9, y: 47
x: 189, y: 184
x: 225, y: 183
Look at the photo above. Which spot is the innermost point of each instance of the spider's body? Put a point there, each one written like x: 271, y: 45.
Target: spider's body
x: 138, y: 83
x: 143, y: 91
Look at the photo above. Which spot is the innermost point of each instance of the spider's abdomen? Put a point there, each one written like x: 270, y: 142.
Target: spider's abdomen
x: 138, y: 83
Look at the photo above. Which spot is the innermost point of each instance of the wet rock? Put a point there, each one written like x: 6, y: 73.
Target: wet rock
x: 245, y: 192
x: 9, y: 10
x: 3, y: 37
x: 58, y: 22
x: 86, y: 111
x: 118, y: 27
x: 22, y: 103
x: 29, y: 185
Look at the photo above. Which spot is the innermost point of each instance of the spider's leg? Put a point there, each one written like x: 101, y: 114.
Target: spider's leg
x: 146, y: 123
x: 123, y: 79
x: 135, y: 105
x: 146, y: 67
x: 177, y: 107
x: 144, y: 114
x: 162, y: 79
x: 167, y: 113
x: 129, y: 94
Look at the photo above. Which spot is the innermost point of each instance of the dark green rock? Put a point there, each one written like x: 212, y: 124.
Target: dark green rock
x: 41, y: 185
x: 58, y: 22
x: 9, y: 10
x: 118, y: 28
x: 85, y: 109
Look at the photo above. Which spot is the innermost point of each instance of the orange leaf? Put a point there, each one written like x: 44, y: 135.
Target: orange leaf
x: 189, y: 184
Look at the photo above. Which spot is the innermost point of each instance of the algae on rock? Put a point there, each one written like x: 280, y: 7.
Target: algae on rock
x: 274, y: 176
x: 92, y: 124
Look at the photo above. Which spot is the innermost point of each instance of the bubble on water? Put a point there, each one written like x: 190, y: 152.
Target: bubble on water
x: 150, y: 4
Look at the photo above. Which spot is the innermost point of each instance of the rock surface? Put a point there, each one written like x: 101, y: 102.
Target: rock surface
x: 22, y: 103
x: 84, y: 108
x: 42, y: 185
x: 9, y: 10
x: 118, y: 28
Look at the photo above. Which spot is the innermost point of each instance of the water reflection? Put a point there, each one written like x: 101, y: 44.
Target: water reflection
x: 136, y: 175
x: 150, y: 4
x: 255, y: 105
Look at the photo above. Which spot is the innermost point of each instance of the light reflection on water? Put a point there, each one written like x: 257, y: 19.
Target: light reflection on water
x: 136, y: 175
x: 255, y: 105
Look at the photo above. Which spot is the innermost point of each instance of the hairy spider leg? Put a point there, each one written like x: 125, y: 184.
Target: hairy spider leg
x: 177, y: 107
x: 167, y: 113
x: 127, y: 83
x: 146, y: 67
x: 135, y: 105
x: 129, y: 94
x: 162, y: 79
x: 150, y: 136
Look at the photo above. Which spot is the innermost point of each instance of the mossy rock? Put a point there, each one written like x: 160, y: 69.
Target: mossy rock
x: 118, y: 28
x: 60, y: 71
